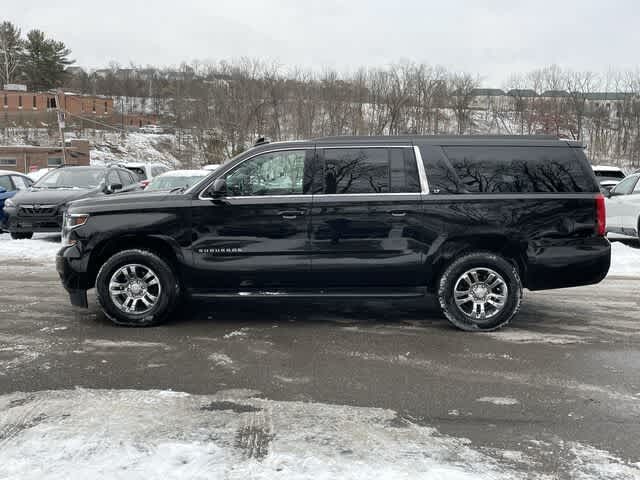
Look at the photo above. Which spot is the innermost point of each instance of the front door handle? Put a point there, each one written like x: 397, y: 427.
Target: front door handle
x: 291, y: 214
x: 398, y: 213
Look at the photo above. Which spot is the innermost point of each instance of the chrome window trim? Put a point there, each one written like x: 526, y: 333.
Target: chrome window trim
x: 424, y: 182
x: 344, y: 147
x: 424, y: 185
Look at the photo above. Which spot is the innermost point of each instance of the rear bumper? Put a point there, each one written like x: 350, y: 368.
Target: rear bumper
x: 567, y: 263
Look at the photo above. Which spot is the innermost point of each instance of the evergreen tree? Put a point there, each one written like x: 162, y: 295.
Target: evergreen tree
x: 11, y: 49
x: 44, y: 61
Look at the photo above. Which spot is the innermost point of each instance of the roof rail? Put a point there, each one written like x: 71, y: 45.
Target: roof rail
x: 414, y: 137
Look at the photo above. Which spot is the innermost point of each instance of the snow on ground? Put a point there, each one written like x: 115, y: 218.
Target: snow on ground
x: 136, y: 434
x: 42, y: 248
x: 503, y: 401
x: 625, y: 260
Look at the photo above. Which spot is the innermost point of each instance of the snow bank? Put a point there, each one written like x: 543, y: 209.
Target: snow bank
x: 41, y: 248
x: 625, y: 260
x: 134, y: 434
x: 134, y: 147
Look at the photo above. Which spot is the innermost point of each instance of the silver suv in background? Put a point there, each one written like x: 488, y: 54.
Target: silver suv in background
x: 145, y: 171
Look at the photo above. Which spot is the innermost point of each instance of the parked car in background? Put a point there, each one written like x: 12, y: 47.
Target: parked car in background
x: 154, y: 129
x: 623, y: 207
x: 469, y: 220
x: 10, y: 184
x: 37, y: 174
x: 174, y: 179
x: 608, y: 177
x: 211, y: 167
x: 145, y: 171
x: 41, y: 207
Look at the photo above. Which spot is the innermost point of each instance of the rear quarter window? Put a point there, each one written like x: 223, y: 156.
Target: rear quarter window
x: 520, y: 170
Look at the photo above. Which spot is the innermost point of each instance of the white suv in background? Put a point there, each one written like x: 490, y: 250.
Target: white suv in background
x: 145, y: 171
x: 608, y: 177
x: 623, y: 207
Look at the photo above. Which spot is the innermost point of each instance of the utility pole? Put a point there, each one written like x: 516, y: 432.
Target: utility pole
x: 61, y: 123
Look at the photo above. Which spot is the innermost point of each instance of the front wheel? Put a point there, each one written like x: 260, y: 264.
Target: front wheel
x: 137, y: 288
x: 21, y: 235
x: 480, y: 292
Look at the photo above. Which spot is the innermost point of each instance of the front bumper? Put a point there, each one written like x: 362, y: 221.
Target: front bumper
x: 18, y: 224
x: 74, y: 280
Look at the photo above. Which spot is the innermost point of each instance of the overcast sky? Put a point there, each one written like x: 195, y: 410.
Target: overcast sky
x: 493, y: 38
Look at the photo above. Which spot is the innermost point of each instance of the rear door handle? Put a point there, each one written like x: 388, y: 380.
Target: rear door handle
x: 291, y: 214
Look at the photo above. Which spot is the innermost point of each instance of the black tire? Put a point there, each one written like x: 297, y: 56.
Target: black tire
x: 21, y: 235
x: 166, y: 299
x: 480, y: 260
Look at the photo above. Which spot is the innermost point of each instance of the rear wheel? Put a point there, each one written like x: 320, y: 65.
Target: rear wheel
x: 479, y: 292
x: 21, y: 235
x: 137, y: 288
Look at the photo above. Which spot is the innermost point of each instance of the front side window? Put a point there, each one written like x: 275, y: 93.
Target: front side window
x: 273, y: 173
x: 125, y: 179
x: 626, y: 186
x: 21, y: 183
x: 369, y: 171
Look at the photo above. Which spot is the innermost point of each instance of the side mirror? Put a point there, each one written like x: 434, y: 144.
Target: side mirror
x: 3, y: 190
x: 219, y: 188
x: 113, y: 188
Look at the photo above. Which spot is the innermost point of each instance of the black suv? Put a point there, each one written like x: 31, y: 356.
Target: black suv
x: 470, y: 219
x: 40, y: 209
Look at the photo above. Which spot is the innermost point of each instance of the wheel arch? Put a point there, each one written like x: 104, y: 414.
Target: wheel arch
x: 158, y: 245
x: 452, y: 248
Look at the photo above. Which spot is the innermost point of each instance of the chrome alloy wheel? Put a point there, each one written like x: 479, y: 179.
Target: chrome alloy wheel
x: 480, y: 293
x: 134, y: 288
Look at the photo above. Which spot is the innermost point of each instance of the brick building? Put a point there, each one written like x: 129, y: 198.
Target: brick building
x: 24, y: 158
x: 22, y: 104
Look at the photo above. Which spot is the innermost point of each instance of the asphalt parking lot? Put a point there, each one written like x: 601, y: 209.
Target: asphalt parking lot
x: 556, y: 393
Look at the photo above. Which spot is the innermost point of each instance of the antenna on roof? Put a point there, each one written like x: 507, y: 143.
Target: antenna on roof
x: 261, y: 141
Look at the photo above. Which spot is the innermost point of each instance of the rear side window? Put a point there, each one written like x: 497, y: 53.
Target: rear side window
x: 139, y: 172
x: 369, y: 170
x: 519, y: 170
x: 609, y: 173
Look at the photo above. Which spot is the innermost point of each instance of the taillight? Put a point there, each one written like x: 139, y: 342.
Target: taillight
x: 601, y: 216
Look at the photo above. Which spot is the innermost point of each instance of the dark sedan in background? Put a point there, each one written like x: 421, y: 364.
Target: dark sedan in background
x: 11, y: 183
x: 41, y: 207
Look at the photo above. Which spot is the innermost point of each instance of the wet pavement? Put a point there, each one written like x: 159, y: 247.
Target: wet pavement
x: 565, y: 373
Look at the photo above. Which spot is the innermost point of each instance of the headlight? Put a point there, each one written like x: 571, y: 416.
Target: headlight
x: 73, y: 220
x: 9, y: 203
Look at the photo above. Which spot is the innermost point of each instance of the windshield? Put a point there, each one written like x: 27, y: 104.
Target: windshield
x: 71, y: 178
x: 170, y: 182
